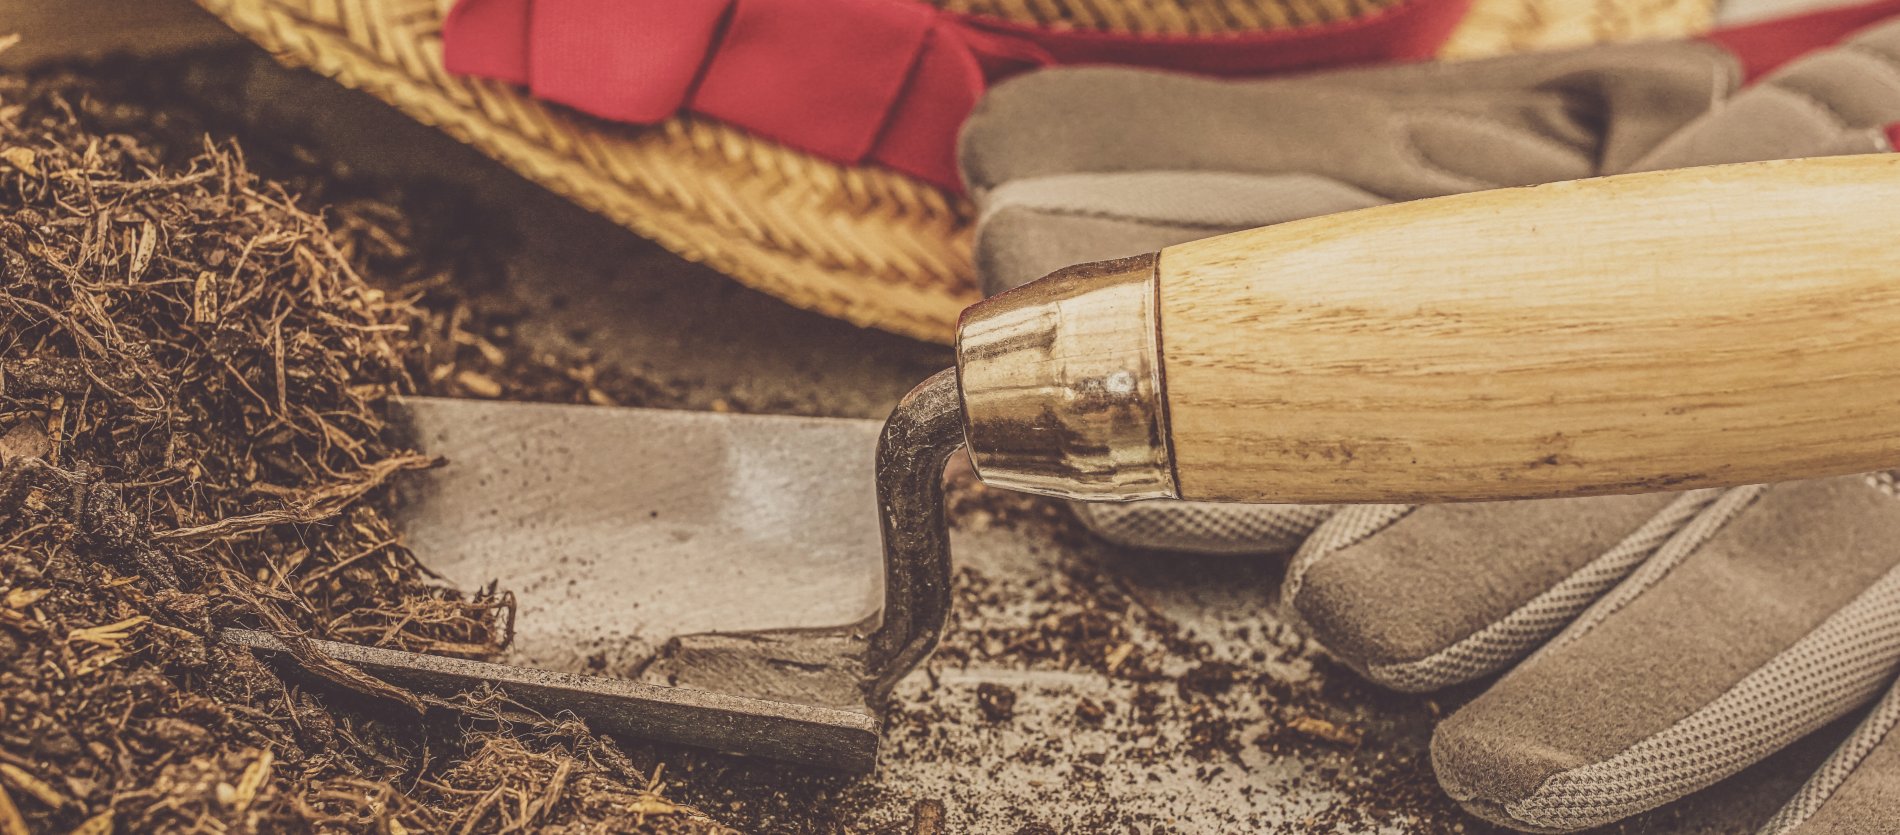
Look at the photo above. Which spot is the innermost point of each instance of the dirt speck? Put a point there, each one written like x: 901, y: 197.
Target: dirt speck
x: 926, y: 818
x: 998, y: 703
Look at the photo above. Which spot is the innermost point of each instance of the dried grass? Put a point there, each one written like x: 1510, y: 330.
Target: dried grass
x: 192, y: 369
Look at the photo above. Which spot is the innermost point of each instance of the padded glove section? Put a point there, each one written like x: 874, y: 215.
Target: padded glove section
x: 1702, y: 663
x: 1402, y: 593
x: 1837, y: 101
x: 1399, y: 132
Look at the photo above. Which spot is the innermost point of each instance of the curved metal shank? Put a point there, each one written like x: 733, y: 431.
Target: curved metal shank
x: 921, y: 434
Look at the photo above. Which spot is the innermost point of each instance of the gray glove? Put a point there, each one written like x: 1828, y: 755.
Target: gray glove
x: 1662, y: 643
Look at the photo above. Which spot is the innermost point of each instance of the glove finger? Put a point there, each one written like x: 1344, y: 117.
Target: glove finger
x: 1423, y: 597
x: 1774, y: 612
x: 1401, y: 132
x: 1836, y: 101
x: 1858, y: 788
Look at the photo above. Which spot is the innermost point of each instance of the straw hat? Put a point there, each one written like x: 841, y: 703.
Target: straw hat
x: 863, y: 244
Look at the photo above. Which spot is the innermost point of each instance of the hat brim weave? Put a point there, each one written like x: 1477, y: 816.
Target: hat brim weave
x: 863, y: 244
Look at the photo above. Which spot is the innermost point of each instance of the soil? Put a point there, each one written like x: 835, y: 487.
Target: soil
x: 192, y: 367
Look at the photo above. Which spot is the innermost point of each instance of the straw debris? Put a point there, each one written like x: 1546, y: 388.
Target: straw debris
x: 192, y: 372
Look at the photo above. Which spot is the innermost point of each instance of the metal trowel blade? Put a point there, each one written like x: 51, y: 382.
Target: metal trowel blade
x: 692, y: 577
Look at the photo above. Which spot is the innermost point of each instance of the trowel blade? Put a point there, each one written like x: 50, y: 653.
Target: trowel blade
x: 735, y: 555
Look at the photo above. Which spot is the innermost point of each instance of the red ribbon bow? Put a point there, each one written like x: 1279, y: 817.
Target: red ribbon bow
x: 856, y: 81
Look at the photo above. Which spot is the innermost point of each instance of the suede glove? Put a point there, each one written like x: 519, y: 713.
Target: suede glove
x: 1661, y: 643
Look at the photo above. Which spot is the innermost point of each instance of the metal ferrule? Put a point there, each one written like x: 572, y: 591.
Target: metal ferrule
x: 1061, y: 381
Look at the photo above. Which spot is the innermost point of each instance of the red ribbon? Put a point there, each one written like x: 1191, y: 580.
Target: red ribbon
x: 1764, y: 46
x: 856, y: 81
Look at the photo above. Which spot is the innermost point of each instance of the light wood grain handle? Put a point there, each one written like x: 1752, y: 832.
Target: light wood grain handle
x: 1689, y: 328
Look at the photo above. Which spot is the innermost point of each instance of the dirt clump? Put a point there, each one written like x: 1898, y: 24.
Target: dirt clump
x: 997, y: 702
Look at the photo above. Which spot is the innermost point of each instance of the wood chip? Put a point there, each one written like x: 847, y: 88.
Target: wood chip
x: 10, y: 821
x: 110, y: 635
x: 55, y: 429
x: 27, y: 439
x: 251, y: 781
x: 142, y: 252
x: 19, y: 599
x: 99, y: 824
x: 31, y: 785
x: 204, y: 299
x: 478, y: 384
x: 1320, y: 729
x: 23, y: 159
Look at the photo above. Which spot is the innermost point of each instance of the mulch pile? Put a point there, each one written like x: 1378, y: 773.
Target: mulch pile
x: 191, y: 372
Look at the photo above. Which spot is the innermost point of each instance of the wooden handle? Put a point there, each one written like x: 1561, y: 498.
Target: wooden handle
x: 1669, y: 330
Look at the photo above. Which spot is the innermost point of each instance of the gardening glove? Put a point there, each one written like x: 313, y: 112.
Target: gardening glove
x: 1705, y: 629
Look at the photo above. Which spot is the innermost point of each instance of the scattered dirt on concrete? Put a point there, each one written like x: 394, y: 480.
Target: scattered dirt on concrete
x: 1061, y: 701
x: 1192, y: 699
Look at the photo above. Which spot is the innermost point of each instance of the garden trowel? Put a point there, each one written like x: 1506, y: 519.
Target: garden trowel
x: 757, y: 584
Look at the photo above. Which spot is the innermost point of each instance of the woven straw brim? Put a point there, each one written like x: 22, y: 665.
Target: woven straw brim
x: 866, y: 245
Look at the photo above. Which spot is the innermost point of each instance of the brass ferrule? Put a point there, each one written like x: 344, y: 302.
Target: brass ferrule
x: 1062, y: 389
